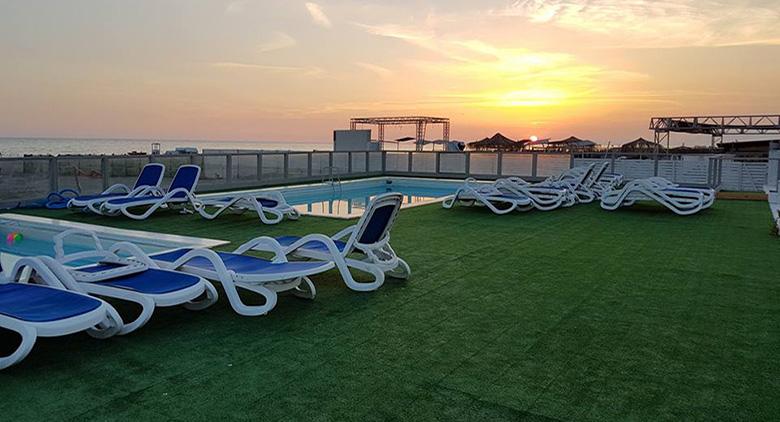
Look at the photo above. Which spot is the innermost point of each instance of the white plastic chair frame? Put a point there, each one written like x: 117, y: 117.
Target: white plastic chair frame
x: 170, y: 199
x: 239, y: 204
x: 377, y: 259
x: 265, y: 285
x: 186, y: 297
x: 680, y: 202
x: 102, y: 322
x: 489, y: 196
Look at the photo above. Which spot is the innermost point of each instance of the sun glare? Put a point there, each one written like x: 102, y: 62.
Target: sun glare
x: 531, y: 98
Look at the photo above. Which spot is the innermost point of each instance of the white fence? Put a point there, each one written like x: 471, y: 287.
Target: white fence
x: 26, y: 179
x: 722, y: 172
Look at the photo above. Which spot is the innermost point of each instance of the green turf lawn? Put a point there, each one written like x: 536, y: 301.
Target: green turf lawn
x: 576, y: 314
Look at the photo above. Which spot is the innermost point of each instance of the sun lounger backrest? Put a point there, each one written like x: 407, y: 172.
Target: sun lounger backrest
x: 378, y: 218
x: 151, y: 175
x: 186, y: 178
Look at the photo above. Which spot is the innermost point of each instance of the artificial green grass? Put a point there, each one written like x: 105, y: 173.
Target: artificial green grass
x: 575, y: 314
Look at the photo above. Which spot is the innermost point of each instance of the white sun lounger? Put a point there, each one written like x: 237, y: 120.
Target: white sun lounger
x: 488, y: 195
x: 680, y: 201
x: 577, y: 181
x: 543, y: 198
x: 270, y: 206
x: 139, y: 280
x: 48, y: 310
x: 709, y: 194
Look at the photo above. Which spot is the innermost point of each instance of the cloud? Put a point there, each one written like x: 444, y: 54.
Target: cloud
x: 503, y: 76
x: 318, y: 15
x: 277, y: 41
x: 380, y: 71
x: 657, y: 23
x: 236, y: 6
x: 306, y: 71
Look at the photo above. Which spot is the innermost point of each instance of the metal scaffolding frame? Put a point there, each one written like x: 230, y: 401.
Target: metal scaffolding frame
x: 420, y: 122
x: 715, y: 126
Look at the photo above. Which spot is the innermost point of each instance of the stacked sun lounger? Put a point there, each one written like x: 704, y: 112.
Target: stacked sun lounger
x: 576, y: 185
x: 680, y: 200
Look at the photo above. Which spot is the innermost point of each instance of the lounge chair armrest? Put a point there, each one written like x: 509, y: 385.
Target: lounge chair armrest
x: 117, y: 188
x: 134, y: 251
x: 315, y: 237
x: 343, y: 233
x: 59, y: 240
x: 60, y: 274
x: 208, y: 254
x: 146, y: 190
x: 34, y: 264
x: 264, y: 244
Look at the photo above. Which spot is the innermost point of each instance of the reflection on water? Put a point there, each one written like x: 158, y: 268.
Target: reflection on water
x: 352, y: 206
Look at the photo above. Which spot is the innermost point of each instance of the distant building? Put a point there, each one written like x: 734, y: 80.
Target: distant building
x: 641, y: 145
x: 754, y: 148
x: 497, y: 142
x: 571, y: 144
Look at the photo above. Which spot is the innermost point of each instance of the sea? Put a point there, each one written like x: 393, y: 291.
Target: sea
x: 18, y: 147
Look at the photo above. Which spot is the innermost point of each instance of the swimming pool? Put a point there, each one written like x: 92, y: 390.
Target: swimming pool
x: 37, y: 238
x: 348, y: 199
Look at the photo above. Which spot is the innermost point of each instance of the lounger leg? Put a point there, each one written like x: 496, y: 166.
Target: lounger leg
x: 147, y: 304
x: 344, y: 265
x: 211, y: 298
x: 249, y: 310
x: 109, y: 327
x: 25, y: 346
x: 293, y: 214
x: 305, y: 289
x: 402, y: 271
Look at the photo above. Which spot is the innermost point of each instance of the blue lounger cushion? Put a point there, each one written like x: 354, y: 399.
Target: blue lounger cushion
x: 312, y: 246
x: 132, y: 199
x: 151, y: 281
x: 28, y: 302
x: 269, y: 203
x: 244, y: 264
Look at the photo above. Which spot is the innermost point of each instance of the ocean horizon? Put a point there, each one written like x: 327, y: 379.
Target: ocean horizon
x: 18, y: 147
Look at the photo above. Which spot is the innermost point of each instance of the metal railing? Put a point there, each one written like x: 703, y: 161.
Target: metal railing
x: 25, y: 179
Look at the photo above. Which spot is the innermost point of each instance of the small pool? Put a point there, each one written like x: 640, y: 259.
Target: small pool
x: 37, y: 236
x: 348, y: 199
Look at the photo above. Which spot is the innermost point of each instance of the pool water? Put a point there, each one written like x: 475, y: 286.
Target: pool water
x: 348, y: 199
x: 37, y: 238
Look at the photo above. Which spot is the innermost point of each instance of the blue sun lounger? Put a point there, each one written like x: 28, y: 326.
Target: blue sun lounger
x: 180, y: 193
x: 135, y: 279
x: 148, y: 181
x: 35, y: 310
x: 364, y: 246
x: 238, y: 271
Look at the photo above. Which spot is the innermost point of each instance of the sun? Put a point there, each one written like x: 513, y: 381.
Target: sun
x: 533, y: 138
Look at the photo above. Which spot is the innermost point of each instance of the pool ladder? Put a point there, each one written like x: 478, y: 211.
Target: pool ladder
x: 333, y: 178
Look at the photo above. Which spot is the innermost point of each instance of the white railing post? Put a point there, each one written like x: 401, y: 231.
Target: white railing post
x: 259, y: 166
x: 54, y: 174
x: 228, y: 169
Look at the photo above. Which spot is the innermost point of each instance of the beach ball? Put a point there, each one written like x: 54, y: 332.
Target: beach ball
x: 14, y: 237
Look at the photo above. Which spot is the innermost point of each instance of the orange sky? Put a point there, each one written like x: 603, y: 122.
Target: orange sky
x: 289, y: 70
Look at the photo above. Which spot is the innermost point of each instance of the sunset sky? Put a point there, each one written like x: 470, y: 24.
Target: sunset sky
x: 291, y: 70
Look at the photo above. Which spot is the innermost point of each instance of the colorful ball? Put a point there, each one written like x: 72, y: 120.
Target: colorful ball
x: 14, y: 237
